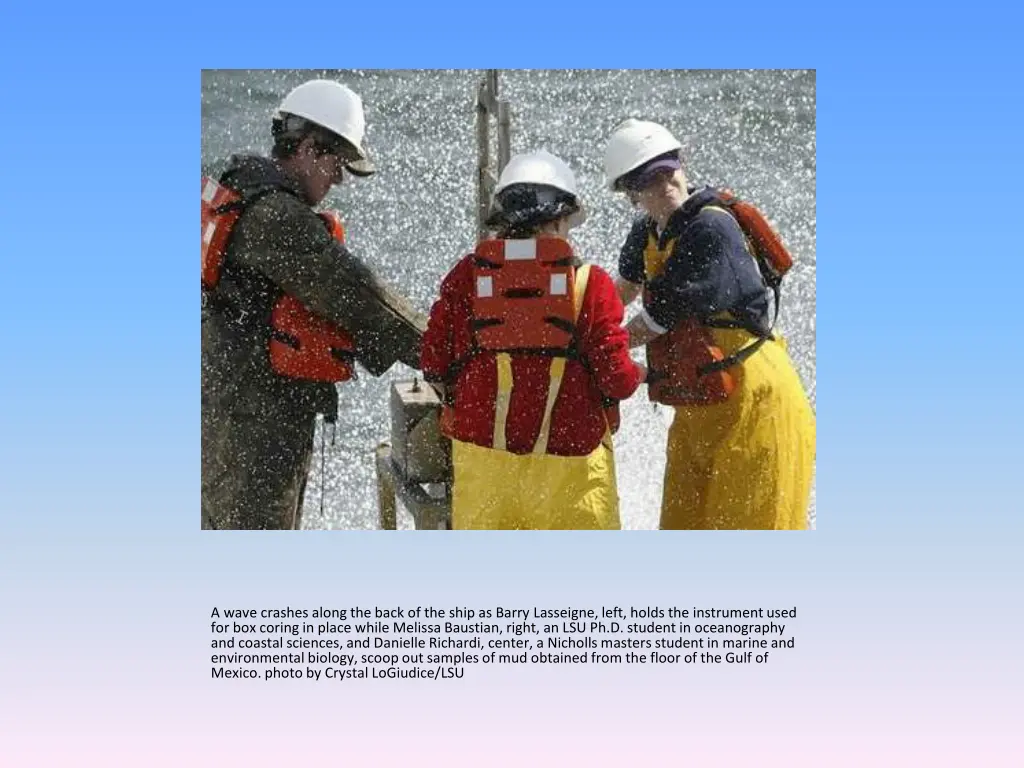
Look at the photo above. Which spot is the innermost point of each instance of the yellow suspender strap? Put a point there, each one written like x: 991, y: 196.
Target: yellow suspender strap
x: 582, y: 275
x: 555, y: 384
x: 558, y: 364
x: 503, y: 398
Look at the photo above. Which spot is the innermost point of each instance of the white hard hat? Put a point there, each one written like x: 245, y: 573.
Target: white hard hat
x: 547, y: 181
x: 335, y: 107
x: 633, y: 143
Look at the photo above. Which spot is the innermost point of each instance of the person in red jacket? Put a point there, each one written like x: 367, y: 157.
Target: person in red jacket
x: 527, y: 347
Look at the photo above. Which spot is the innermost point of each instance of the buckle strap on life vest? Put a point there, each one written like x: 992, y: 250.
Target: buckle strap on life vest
x: 730, y: 323
x: 736, y: 357
x: 725, y: 322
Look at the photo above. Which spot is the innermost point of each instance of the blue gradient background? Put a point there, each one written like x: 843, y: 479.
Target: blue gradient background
x: 909, y: 635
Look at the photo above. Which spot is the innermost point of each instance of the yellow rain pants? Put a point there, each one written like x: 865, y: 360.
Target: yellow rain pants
x: 500, y: 490
x: 746, y: 463
x: 495, y: 489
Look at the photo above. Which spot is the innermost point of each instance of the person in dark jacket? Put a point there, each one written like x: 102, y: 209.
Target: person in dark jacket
x: 287, y: 311
x: 740, y: 452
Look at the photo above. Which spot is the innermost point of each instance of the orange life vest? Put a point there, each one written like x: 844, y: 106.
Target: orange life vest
x: 523, y: 295
x: 690, y: 369
x: 679, y: 359
x: 526, y: 298
x: 220, y: 212
x: 302, y: 345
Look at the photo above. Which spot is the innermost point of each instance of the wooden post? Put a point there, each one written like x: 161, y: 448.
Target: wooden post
x: 483, y: 151
x: 488, y: 106
x: 386, y: 501
x: 504, y: 135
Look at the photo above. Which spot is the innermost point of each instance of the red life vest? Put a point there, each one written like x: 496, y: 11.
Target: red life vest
x: 523, y: 295
x: 526, y: 298
x: 302, y: 345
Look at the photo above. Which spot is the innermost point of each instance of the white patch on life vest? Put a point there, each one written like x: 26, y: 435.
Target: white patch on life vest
x: 208, y: 234
x: 484, y: 287
x: 209, y: 191
x: 517, y: 250
x: 558, y: 285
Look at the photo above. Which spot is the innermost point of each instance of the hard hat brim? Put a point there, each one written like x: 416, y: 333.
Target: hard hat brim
x: 363, y: 168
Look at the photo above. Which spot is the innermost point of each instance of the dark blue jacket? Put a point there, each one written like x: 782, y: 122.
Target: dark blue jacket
x: 708, y: 272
